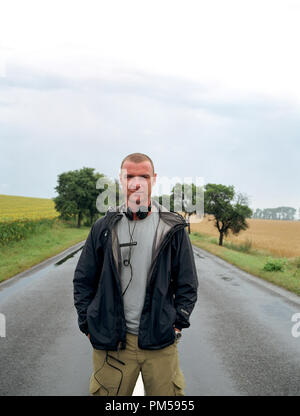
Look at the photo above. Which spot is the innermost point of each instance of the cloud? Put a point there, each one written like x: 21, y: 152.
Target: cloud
x: 23, y: 77
x: 170, y: 91
x: 55, y: 123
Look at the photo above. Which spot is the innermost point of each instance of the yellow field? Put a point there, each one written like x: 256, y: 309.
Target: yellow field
x: 18, y: 207
x: 281, y: 238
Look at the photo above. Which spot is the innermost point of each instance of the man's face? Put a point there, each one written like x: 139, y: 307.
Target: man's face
x: 137, y: 180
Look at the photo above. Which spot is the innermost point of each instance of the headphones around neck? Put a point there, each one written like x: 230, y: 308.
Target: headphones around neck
x: 141, y: 213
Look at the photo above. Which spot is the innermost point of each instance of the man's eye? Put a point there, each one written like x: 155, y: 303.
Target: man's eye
x: 143, y: 176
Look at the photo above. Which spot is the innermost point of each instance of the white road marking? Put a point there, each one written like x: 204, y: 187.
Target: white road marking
x: 139, y: 387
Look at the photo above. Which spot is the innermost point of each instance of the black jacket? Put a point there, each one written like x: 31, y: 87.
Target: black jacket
x: 171, y: 291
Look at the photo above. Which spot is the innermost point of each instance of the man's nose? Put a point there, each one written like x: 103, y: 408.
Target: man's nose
x: 134, y: 185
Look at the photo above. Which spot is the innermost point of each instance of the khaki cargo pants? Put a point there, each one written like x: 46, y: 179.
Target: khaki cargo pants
x: 115, y: 373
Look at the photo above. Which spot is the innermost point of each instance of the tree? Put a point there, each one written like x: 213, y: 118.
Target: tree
x: 258, y: 213
x: 189, y: 196
x: 165, y: 200
x: 229, y: 210
x: 77, y: 194
x: 279, y: 213
x: 184, y: 198
x: 113, y: 195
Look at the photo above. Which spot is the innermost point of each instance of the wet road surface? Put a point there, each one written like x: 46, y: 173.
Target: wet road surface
x: 239, y: 342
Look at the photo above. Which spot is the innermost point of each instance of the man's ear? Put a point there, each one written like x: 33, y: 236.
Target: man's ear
x: 122, y: 175
x: 154, y: 179
x: 120, y: 180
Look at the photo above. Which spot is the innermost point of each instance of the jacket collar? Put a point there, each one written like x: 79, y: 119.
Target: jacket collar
x: 168, y: 217
x: 167, y: 221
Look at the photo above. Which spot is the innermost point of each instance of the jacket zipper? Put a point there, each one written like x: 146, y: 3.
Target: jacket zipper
x: 113, y: 220
x: 163, y: 244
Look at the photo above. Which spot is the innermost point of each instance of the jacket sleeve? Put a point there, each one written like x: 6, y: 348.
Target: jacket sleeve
x: 86, y: 279
x: 185, y: 282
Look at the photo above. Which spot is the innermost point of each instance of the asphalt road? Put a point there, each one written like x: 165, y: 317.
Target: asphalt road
x: 239, y: 342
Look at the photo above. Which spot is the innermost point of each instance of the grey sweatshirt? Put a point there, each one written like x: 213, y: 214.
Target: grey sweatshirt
x: 141, y: 254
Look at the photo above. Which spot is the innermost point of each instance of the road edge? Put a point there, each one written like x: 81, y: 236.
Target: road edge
x: 44, y: 263
x: 279, y: 291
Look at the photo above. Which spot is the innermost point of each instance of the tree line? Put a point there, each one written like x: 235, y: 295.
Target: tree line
x: 77, y: 195
x: 228, y: 208
x: 280, y: 213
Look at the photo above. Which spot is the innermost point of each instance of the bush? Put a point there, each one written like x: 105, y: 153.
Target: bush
x: 20, y: 229
x: 275, y: 265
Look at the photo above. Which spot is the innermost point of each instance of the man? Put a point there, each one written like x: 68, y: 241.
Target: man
x: 135, y: 286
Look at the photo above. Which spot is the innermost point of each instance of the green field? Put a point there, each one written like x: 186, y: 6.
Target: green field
x: 30, y: 232
x: 45, y: 242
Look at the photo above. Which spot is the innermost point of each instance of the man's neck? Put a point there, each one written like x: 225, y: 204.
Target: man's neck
x: 135, y: 217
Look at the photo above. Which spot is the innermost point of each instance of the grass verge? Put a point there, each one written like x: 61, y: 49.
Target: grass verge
x: 254, y: 261
x: 47, y: 241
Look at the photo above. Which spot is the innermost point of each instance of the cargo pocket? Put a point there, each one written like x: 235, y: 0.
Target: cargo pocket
x: 178, y: 384
x: 95, y: 388
x: 106, y: 381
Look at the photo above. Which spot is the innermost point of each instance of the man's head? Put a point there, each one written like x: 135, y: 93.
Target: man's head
x: 137, y: 178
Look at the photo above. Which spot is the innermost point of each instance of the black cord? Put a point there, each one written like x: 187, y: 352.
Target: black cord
x: 126, y: 262
x: 107, y: 355
x: 98, y: 372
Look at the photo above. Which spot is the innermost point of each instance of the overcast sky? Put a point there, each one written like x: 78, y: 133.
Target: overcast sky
x: 206, y: 88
